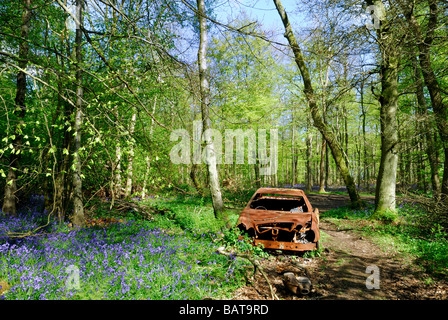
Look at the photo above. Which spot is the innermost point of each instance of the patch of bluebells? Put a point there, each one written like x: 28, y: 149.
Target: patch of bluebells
x: 363, y: 213
x: 346, y: 212
x: 133, y: 260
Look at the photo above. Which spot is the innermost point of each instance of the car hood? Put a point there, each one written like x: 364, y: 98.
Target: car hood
x: 252, y: 217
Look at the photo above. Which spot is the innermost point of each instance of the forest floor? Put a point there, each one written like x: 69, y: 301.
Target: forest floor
x: 339, y: 271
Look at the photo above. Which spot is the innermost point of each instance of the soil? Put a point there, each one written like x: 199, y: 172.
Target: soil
x: 340, y: 270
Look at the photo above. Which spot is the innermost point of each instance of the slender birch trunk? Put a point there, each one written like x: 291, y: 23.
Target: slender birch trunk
x: 322, y: 167
x: 117, y: 176
x: 324, y: 142
x: 78, y: 207
x: 128, y: 190
x: 206, y: 122
x: 308, y: 142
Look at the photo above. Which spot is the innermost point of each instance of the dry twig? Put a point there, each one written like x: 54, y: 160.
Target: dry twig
x: 256, y: 265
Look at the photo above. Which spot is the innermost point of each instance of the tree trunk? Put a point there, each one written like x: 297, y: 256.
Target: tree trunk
x: 427, y: 130
x: 78, y: 207
x: 324, y: 142
x: 386, y: 180
x: 439, y: 107
x: 257, y: 172
x: 213, y: 179
x: 294, y: 153
x: 364, y: 140
x: 322, y: 167
x: 328, y: 134
x: 145, y: 179
x: 308, y: 141
x: 9, y: 201
x: 117, y: 176
x: 387, y: 174
x: 128, y: 190
x: 148, y: 158
x: 62, y: 187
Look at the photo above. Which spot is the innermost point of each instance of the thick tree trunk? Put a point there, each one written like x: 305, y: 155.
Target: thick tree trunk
x: 387, y: 174
x: 335, y: 147
x: 78, y: 207
x: 9, y: 201
x: 386, y: 180
x: 213, y: 179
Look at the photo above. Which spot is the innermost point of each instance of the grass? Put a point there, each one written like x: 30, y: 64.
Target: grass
x: 411, y: 232
x: 174, y: 256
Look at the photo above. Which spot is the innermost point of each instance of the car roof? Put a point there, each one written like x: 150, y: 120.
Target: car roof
x: 282, y: 191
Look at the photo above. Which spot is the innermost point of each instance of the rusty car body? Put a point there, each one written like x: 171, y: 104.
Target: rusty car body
x: 281, y: 218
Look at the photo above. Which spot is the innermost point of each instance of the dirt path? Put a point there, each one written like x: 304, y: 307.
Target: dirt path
x: 340, y: 271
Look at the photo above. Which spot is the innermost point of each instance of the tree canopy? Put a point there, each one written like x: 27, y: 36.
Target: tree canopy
x: 91, y: 92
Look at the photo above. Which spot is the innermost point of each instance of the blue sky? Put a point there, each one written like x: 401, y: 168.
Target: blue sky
x: 262, y: 10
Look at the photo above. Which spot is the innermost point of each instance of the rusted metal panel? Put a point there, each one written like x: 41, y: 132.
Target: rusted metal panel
x: 282, y: 245
x: 281, y: 218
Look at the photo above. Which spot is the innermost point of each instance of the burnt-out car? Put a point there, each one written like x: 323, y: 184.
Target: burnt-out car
x: 281, y: 218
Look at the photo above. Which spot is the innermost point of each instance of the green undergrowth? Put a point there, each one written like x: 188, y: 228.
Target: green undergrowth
x: 410, y: 230
x: 189, y: 213
x: 195, y: 215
